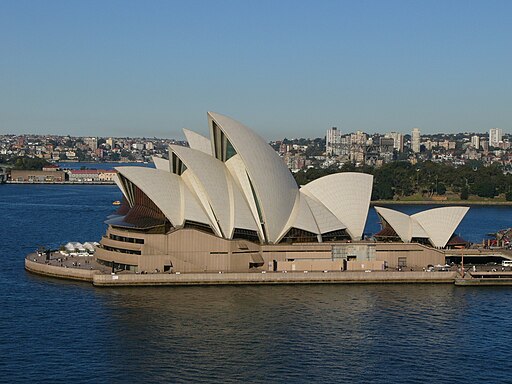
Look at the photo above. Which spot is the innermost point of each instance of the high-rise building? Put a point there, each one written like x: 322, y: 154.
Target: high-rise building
x: 485, y: 145
x: 357, y: 146
x: 398, y: 140
x: 495, y: 136
x: 475, y: 141
x: 415, y: 140
x: 332, y: 142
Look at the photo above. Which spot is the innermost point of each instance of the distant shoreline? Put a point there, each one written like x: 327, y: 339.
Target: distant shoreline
x: 60, y: 182
x: 440, y: 202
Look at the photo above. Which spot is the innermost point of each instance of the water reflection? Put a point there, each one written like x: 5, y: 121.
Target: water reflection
x: 259, y: 333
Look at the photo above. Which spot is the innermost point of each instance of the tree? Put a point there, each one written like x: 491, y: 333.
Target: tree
x: 464, y: 193
x: 484, y: 188
x: 441, y: 189
x: 382, y: 191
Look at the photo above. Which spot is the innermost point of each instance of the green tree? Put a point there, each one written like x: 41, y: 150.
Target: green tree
x: 441, y: 189
x: 464, y: 193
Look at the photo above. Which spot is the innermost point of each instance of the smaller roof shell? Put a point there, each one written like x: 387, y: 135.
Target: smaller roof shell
x: 437, y: 224
x: 198, y: 142
x: 168, y: 192
x: 347, y: 195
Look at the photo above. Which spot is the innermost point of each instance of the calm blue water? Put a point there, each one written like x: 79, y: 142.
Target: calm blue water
x: 53, y: 331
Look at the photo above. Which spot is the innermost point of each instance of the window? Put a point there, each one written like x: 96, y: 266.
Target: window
x: 126, y: 239
x: 402, y: 262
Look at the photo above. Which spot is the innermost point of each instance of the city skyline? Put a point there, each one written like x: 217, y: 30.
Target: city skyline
x: 289, y: 69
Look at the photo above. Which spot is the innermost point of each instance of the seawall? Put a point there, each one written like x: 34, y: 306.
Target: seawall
x: 273, y: 278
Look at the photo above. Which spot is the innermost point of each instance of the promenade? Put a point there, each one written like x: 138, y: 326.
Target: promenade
x: 86, y: 269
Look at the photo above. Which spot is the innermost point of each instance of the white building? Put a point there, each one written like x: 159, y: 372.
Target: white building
x: 415, y: 140
x: 332, y: 142
x: 475, y: 141
x: 495, y: 137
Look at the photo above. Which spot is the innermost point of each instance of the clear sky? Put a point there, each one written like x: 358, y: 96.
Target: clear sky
x: 284, y: 68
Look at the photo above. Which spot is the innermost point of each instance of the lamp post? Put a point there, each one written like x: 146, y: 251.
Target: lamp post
x: 462, y: 265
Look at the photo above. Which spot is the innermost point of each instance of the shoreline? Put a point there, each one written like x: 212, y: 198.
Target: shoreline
x: 60, y: 182
x: 437, y: 202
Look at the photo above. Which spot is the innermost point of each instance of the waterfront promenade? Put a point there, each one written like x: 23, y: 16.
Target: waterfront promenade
x: 86, y: 269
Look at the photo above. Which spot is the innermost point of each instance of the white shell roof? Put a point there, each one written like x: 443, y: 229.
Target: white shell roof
x: 324, y: 218
x: 161, y: 164
x: 121, y: 187
x: 254, y: 182
x: 347, y: 195
x: 198, y: 142
x: 240, y: 178
x: 440, y: 223
x: 166, y: 191
x: 437, y: 224
x: 274, y: 186
x: 399, y: 221
x: 302, y: 217
x: 216, y: 191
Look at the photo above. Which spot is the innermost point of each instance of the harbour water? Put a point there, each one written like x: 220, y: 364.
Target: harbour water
x: 59, y: 332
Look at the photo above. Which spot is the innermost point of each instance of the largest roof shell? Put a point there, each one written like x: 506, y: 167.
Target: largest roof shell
x: 274, y: 186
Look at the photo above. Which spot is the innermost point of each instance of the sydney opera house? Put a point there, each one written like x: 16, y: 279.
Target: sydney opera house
x: 229, y: 203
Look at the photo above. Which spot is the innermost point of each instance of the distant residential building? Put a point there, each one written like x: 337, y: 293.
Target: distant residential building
x: 398, y: 140
x: 386, y: 145
x: 475, y: 141
x: 91, y: 142
x: 332, y: 142
x: 71, y: 155
x: 415, y: 140
x: 485, y: 145
x: 495, y: 136
x: 357, y: 146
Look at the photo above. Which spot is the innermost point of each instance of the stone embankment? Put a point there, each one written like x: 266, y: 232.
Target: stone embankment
x: 330, y: 277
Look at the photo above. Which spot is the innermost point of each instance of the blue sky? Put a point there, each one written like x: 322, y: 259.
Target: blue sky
x: 284, y: 68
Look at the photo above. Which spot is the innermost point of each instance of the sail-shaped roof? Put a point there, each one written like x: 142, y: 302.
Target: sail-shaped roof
x: 437, y: 224
x: 347, y: 195
x: 235, y: 182
x: 168, y: 193
x: 198, y: 142
x: 215, y: 190
x: 273, y: 186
